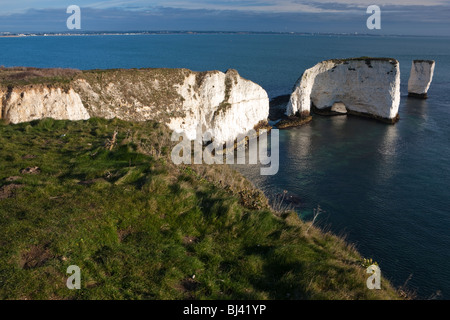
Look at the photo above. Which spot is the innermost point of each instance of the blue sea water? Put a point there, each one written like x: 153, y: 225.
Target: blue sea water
x: 386, y: 187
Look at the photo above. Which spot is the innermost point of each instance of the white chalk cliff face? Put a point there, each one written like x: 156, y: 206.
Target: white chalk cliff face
x: 364, y: 86
x: 38, y: 102
x: 224, y: 104
x: 420, y: 78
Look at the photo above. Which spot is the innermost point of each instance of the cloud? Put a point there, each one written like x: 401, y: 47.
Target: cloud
x: 270, y: 6
x: 278, y: 6
x: 250, y: 15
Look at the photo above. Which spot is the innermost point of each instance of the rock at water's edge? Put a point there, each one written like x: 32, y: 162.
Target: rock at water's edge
x: 339, y: 108
x: 420, y: 78
x: 362, y: 86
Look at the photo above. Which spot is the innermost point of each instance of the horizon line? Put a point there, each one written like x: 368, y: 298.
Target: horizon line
x: 168, y: 32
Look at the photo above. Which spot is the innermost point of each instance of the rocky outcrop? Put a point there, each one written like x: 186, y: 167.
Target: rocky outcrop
x: 361, y: 86
x: 224, y: 104
x: 38, y: 102
x: 420, y: 78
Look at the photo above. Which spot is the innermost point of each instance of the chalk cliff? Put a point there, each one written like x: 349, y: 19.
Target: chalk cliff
x: 420, y: 78
x: 224, y: 104
x: 362, y: 86
x: 38, y: 102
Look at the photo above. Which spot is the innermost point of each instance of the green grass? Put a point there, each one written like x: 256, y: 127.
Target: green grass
x: 140, y: 227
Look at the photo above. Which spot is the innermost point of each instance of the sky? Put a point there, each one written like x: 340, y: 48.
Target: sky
x: 401, y: 17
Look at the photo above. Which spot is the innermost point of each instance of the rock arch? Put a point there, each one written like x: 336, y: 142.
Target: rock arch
x: 365, y: 86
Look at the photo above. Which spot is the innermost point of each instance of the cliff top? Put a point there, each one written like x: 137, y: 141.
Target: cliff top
x: 22, y: 76
x: 366, y: 59
x: 19, y: 76
x: 140, y: 227
x: 424, y: 61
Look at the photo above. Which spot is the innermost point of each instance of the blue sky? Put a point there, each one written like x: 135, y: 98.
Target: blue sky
x: 430, y: 17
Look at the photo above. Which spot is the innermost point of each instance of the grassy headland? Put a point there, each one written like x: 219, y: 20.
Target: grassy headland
x: 140, y: 227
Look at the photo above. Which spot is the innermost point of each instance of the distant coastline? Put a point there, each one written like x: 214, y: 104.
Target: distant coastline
x: 171, y: 32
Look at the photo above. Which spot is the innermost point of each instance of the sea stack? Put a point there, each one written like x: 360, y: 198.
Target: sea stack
x: 364, y: 86
x: 420, y: 78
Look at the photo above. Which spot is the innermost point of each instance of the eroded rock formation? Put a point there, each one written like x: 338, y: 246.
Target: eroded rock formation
x: 362, y: 86
x: 420, y: 78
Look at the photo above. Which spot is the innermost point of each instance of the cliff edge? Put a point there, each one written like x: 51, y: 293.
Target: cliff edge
x: 224, y: 104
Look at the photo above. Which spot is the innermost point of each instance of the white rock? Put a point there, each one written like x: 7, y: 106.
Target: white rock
x: 369, y: 87
x: 38, y: 102
x: 226, y: 105
x: 420, y: 78
x: 339, y: 107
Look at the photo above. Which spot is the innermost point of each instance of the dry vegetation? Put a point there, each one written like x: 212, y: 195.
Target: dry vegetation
x: 20, y: 76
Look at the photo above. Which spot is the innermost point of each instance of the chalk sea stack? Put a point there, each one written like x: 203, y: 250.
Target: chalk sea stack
x: 368, y: 87
x: 420, y: 78
x: 224, y: 104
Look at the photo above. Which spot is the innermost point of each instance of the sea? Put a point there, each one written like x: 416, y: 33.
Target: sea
x: 385, y: 188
